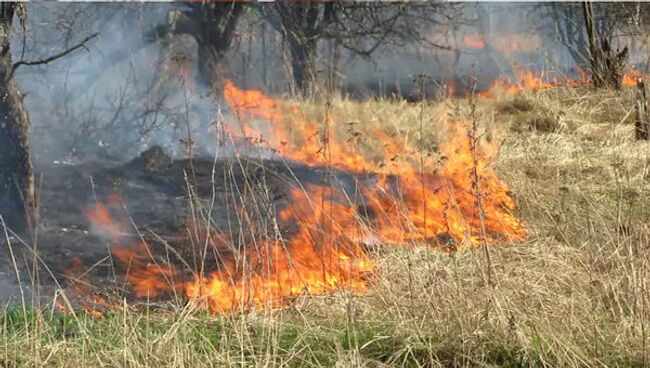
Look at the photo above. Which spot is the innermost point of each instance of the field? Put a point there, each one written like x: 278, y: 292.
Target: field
x: 573, y: 293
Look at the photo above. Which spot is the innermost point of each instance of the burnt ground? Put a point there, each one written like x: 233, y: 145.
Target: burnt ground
x: 154, y: 189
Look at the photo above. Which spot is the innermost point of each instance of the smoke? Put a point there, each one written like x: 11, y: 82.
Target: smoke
x: 117, y: 97
x: 125, y: 92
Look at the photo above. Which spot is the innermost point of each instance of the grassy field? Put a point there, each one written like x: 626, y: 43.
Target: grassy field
x: 573, y: 294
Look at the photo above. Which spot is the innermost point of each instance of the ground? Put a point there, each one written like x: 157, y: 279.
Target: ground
x: 573, y: 293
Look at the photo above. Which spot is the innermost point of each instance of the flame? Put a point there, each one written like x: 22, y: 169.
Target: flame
x: 100, y: 216
x: 508, y: 44
x: 527, y: 81
x: 630, y: 78
x: 448, y: 194
x: 318, y: 259
x: 92, y: 303
x: 474, y: 41
x: 453, y: 199
x: 523, y: 81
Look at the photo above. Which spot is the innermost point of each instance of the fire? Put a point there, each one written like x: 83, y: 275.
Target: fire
x: 474, y: 42
x: 309, y: 148
x: 319, y: 258
x: 427, y: 198
x: 100, y: 216
x: 452, y: 199
x: 527, y: 81
x: 630, y: 78
x: 503, y: 43
x: 93, y: 303
x: 147, y: 278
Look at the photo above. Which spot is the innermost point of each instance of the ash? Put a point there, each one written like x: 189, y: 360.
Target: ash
x: 159, y: 195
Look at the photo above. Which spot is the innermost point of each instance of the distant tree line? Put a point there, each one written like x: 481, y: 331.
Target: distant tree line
x: 360, y: 27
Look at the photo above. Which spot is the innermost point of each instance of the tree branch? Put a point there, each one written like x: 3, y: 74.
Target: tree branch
x: 55, y: 56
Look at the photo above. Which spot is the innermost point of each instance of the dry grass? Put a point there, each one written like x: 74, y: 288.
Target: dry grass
x: 574, y: 294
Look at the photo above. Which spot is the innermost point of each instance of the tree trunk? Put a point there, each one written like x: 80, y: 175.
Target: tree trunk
x: 210, y: 71
x: 607, y: 65
x: 614, y: 65
x: 265, y: 64
x: 594, y: 52
x: 17, y: 192
x: 213, y: 26
x: 302, y: 26
x: 303, y: 55
x: 641, y: 124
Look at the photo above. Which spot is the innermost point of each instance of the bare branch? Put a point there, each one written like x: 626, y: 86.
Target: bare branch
x: 55, y: 56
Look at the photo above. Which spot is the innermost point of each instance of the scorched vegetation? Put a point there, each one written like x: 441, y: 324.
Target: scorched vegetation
x: 569, y: 290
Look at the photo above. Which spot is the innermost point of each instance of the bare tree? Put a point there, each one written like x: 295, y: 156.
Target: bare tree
x: 17, y: 191
x: 212, y: 24
x: 302, y: 25
x: 568, y: 28
x: 358, y: 27
x: 607, y: 66
x: 590, y: 32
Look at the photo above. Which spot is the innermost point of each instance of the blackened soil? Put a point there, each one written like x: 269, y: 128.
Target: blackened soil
x: 159, y: 197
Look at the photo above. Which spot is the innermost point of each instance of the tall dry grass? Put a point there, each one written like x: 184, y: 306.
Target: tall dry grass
x: 573, y: 294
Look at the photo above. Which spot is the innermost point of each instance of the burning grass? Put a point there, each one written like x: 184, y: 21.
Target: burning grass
x: 524, y: 80
x: 574, y: 293
x: 401, y: 193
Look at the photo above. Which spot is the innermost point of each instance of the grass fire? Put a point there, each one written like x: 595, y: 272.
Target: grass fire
x: 398, y: 201
x: 324, y: 184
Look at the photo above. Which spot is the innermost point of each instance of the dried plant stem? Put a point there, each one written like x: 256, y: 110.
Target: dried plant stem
x: 474, y: 137
x: 14, y: 263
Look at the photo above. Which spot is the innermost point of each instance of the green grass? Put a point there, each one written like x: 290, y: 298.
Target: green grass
x: 140, y: 340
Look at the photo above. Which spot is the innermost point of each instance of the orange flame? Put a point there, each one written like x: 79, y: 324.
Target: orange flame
x: 318, y: 259
x: 630, y: 78
x: 527, y: 81
x: 92, y: 303
x: 453, y: 200
x: 265, y: 275
x: 504, y: 43
x: 474, y: 41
